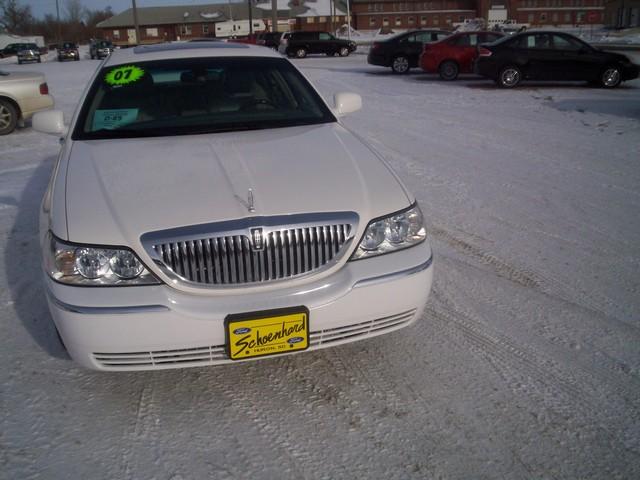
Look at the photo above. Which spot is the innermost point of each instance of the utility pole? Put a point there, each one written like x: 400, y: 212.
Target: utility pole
x: 348, y: 20
x: 274, y: 15
x: 250, y: 18
x: 135, y: 22
x: 59, y: 39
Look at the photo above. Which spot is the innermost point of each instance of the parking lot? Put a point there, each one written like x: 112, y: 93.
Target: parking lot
x: 525, y: 364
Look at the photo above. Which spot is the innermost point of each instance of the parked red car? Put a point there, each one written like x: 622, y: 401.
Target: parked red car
x: 455, y: 54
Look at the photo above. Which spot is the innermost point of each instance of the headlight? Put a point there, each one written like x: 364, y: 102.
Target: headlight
x: 94, y: 266
x: 395, y: 232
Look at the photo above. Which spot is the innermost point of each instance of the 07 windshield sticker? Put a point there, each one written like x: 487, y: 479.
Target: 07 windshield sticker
x: 124, y: 75
x: 110, y: 119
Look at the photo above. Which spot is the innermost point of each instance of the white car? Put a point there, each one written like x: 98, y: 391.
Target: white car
x: 21, y: 95
x: 208, y: 207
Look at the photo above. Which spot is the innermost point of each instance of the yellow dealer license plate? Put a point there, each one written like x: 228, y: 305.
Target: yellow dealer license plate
x: 271, y: 332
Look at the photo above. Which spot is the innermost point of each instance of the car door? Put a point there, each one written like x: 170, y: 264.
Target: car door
x: 327, y: 43
x: 542, y: 61
x: 411, y: 46
x: 578, y: 60
x: 465, y: 50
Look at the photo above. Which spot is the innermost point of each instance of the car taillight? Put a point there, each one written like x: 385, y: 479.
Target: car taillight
x: 484, y: 52
x: 44, y: 89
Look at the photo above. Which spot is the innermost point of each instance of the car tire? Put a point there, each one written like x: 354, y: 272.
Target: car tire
x: 77, y: 59
x: 343, y: 52
x: 19, y: 62
x: 509, y: 76
x: 448, y: 70
x: 300, y: 53
x: 400, y: 64
x: 39, y: 60
x: 8, y: 117
x: 611, y: 77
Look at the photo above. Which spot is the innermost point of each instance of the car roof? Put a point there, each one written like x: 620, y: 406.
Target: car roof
x: 168, y: 51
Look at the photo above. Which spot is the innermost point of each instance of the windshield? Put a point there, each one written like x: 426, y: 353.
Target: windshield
x: 68, y: 45
x: 104, y: 44
x: 200, y: 95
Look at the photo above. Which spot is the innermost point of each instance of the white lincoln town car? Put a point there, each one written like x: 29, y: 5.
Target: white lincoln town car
x: 208, y: 206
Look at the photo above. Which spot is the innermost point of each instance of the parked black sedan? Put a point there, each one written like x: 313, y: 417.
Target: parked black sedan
x: 544, y: 55
x: 401, y: 52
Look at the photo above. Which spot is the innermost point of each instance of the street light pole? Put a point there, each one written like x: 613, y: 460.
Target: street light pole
x: 250, y: 18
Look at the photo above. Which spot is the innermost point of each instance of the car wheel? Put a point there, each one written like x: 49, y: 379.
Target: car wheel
x: 343, y: 52
x: 8, y: 117
x: 448, y: 70
x: 77, y: 59
x: 400, y: 64
x: 611, y: 77
x: 39, y: 60
x: 509, y: 77
x: 301, y: 53
x: 19, y: 62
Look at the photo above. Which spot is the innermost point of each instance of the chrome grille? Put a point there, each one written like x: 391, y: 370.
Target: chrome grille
x: 232, y: 259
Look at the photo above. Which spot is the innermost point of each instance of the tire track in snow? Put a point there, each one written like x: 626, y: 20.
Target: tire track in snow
x: 525, y: 371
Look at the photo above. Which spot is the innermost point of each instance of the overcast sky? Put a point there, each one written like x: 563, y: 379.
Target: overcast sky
x: 41, y: 7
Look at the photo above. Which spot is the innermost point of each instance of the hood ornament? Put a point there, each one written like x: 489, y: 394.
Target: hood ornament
x: 250, y: 205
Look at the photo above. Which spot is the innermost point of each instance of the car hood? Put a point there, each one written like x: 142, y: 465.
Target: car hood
x: 118, y: 190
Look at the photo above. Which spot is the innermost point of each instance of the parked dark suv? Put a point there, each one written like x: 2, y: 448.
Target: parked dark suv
x: 300, y: 44
x: 401, y: 52
x: 269, y: 39
x: 29, y: 52
x: 100, y: 49
x: 26, y: 52
x: 68, y: 51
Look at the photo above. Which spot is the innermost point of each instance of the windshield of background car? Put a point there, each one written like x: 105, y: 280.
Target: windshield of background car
x: 198, y: 95
x: 104, y: 44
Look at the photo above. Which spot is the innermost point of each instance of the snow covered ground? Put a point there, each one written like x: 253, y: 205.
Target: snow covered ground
x: 525, y: 364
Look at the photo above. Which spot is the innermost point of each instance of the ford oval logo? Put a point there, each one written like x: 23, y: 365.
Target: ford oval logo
x: 293, y: 340
x: 241, y: 330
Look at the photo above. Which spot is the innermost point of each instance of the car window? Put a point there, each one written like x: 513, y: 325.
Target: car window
x: 442, y: 35
x: 535, y: 41
x: 424, y: 37
x: 469, y: 40
x: 198, y: 95
x: 565, y: 43
x: 31, y: 46
x: 68, y: 45
x: 325, y: 36
x: 408, y: 39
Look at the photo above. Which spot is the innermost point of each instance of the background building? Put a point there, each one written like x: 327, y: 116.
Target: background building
x: 622, y: 13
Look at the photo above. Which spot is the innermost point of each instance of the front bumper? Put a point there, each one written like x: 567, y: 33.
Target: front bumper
x: 66, y: 55
x: 630, y: 72
x: 377, y: 59
x: 29, y: 57
x: 159, y: 327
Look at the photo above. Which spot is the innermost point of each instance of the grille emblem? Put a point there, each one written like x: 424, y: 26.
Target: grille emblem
x: 256, y: 239
x: 250, y: 205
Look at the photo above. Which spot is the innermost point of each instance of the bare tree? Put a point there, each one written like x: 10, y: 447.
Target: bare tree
x: 75, y: 11
x: 15, y: 18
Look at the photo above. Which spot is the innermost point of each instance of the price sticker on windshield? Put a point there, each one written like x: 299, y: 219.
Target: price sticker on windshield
x: 124, y: 75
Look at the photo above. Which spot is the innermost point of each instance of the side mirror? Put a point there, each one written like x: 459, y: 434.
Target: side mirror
x: 347, y: 103
x: 49, y: 121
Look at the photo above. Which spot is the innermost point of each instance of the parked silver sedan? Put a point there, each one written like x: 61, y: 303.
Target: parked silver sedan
x: 21, y: 95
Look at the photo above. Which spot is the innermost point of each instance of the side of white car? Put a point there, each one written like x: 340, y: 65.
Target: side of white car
x: 168, y: 251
